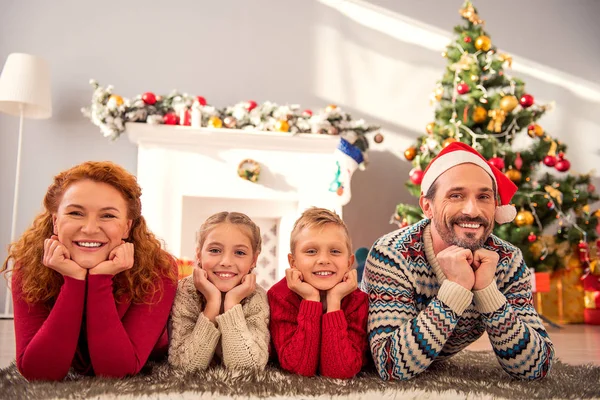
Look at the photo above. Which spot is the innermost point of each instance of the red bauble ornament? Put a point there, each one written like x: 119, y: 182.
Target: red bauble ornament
x: 526, y: 100
x: 550, y: 161
x: 416, y: 176
x: 497, y: 162
x: 591, y: 188
x: 468, y: 39
x: 462, y: 88
x: 532, y: 237
x: 149, y: 98
x: 598, y: 231
x: 201, y: 100
x: 550, y: 205
x: 307, y: 113
x: 170, y: 119
x: 251, y: 105
x: 562, y: 165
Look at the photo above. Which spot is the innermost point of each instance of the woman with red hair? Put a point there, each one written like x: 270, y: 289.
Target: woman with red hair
x: 92, y: 287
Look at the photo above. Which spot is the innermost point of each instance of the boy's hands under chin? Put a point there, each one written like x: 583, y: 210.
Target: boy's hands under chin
x: 335, y: 295
x: 296, y: 284
x: 246, y: 287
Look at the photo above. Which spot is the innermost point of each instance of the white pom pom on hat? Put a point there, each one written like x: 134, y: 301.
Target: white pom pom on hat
x: 457, y: 153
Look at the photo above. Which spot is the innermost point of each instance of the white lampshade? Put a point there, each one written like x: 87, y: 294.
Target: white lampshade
x: 25, y: 82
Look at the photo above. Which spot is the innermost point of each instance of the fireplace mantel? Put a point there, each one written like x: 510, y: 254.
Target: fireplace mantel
x: 187, y: 174
x: 175, y: 135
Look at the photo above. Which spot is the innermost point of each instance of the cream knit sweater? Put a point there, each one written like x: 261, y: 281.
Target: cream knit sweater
x: 243, y: 331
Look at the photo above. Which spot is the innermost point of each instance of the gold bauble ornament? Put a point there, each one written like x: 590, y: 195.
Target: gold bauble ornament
x: 479, y: 114
x: 330, y: 107
x: 215, y: 122
x: 483, y: 43
x: 514, y: 175
x: 447, y: 142
x: 115, y: 98
x: 508, y: 103
x: 429, y: 127
x: 410, y: 153
x: 438, y: 93
x: 535, y: 130
x: 282, y: 126
x: 524, y: 218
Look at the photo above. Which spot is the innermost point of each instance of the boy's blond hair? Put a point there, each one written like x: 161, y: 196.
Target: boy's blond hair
x: 318, y: 217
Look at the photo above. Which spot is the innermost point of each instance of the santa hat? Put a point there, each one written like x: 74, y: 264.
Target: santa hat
x: 457, y: 153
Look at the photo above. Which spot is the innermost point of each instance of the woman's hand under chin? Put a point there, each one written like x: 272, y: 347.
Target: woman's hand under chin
x: 119, y: 259
x: 57, y: 257
x: 240, y: 292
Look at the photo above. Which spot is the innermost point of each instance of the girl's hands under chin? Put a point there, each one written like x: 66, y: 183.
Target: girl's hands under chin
x: 246, y: 287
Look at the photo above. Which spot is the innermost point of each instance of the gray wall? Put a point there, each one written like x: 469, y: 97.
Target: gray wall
x: 306, y: 52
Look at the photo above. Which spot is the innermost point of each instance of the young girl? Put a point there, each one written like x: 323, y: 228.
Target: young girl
x: 92, y: 288
x: 219, y: 313
x: 319, y: 316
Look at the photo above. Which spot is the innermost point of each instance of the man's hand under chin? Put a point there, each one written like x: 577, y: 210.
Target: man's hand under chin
x: 484, y: 264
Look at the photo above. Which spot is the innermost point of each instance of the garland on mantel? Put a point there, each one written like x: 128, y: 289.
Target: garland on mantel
x: 110, y: 112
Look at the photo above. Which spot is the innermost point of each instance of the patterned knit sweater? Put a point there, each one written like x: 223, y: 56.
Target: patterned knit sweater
x: 306, y: 340
x: 417, y: 316
x: 242, y: 331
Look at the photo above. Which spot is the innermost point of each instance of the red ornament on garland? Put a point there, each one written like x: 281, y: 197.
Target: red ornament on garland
x: 170, y: 119
x: 468, y: 39
x: 251, y: 105
x: 550, y: 161
x: 591, y: 188
x: 550, y: 205
x: 149, y: 98
x: 307, y: 113
x: 463, y: 88
x: 526, y: 100
x: 416, y: 176
x: 532, y: 237
x: 497, y: 162
x: 201, y: 100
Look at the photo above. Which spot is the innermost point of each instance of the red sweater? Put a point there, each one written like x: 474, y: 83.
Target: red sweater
x: 305, y: 339
x: 93, y: 333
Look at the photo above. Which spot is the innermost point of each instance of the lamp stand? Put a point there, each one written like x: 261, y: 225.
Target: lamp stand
x: 13, y: 229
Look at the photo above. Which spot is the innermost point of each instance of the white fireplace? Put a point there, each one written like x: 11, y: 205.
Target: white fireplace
x: 187, y: 174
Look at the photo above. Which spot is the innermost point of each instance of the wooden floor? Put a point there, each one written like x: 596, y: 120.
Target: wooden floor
x: 574, y: 344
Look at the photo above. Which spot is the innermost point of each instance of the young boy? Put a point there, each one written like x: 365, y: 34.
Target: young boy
x: 318, y: 315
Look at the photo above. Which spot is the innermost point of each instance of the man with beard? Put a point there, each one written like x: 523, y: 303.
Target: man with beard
x: 436, y: 286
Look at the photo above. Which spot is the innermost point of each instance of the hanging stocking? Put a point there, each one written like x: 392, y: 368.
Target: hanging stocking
x: 348, y: 157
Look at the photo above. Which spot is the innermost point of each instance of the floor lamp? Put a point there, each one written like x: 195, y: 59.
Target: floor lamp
x: 25, y: 93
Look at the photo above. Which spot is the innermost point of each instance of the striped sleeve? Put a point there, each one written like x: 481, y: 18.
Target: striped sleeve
x: 517, y: 334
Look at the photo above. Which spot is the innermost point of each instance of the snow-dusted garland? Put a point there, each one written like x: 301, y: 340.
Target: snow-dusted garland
x: 110, y: 112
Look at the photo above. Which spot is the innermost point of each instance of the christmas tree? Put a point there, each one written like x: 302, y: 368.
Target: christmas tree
x: 479, y: 103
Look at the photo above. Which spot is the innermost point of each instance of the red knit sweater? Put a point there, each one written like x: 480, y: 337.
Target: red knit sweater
x: 93, y: 333
x: 305, y: 339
